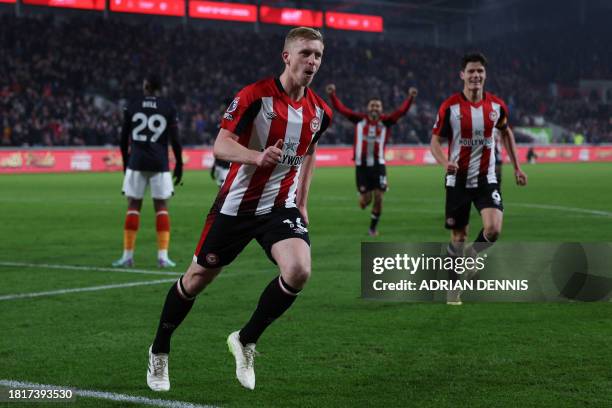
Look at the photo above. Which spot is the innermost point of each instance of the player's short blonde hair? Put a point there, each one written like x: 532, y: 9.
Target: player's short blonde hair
x: 306, y: 33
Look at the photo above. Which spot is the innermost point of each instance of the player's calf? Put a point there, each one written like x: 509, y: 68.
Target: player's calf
x: 374, y: 218
x: 176, y: 307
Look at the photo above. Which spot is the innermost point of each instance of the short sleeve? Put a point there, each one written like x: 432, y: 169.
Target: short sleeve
x: 241, y: 111
x: 442, y: 126
x: 504, y: 116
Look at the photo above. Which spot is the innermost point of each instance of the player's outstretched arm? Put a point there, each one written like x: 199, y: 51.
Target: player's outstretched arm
x: 304, y: 181
x: 510, y: 145
x: 340, y: 107
x: 227, y: 148
x: 438, y: 154
x: 403, y: 108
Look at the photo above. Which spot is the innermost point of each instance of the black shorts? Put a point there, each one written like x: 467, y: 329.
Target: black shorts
x: 459, y: 202
x: 225, y: 236
x: 371, y: 178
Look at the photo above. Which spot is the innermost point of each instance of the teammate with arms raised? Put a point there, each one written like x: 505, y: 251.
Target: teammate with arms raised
x: 150, y: 123
x: 372, y: 131
x: 269, y: 134
x: 467, y: 120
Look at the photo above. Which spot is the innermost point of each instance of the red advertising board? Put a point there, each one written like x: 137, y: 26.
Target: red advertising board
x: 223, y: 11
x: 162, y: 7
x: 87, y: 160
x: 79, y: 4
x: 8, y: 1
x: 291, y: 16
x: 356, y: 22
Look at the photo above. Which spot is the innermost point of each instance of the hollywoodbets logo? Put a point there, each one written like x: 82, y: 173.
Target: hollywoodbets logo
x: 290, y: 158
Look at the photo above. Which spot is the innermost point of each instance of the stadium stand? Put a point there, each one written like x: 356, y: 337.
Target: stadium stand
x: 69, y: 89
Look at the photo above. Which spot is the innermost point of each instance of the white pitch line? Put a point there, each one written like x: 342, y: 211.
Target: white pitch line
x: 562, y: 208
x: 87, y: 289
x: 89, y: 268
x: 107, y: 395
x: 509, y: 204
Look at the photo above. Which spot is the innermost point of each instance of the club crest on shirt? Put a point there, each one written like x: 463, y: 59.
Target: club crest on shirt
x: 234, y: 105
x: 493, y: 116
x: 315, y: 124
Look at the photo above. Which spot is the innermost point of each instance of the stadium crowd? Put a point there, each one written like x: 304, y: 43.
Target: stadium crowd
x: 64, y: 81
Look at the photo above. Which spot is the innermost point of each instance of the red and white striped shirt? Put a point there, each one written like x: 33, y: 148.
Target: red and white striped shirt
x: 260, y: 115
x: 469, y: 129
x: 371, y: 136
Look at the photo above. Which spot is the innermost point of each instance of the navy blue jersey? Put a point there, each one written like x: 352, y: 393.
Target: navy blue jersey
x: 149, y: 124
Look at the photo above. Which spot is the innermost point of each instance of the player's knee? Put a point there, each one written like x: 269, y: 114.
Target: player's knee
x: 134, y: 203
x: 160, y: 205
x: 197, y: 278
x: 492, y: 233
x: 297, y: 274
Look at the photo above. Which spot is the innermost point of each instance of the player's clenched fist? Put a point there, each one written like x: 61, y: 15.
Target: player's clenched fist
x: 271, y: 156
x: 521, y: 178
x: 413, y: 92
x: 452, y: 167
x: 330, y: 89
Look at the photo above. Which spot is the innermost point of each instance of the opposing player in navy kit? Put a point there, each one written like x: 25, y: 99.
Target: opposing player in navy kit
x: 269, y: 133
x: 150, y: 124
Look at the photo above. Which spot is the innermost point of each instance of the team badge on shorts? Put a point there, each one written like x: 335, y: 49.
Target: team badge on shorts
x: 212, y: 259
x: 450, y: 222
x: 315, y: 124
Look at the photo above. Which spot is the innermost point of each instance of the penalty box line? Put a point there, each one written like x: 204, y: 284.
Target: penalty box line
x: 86, y: 289
x: 111, y: 396
x: 93, y: 288
x: 88, y: 268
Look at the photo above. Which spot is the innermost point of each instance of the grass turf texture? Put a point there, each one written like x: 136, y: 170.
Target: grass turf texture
x: 331, y: 348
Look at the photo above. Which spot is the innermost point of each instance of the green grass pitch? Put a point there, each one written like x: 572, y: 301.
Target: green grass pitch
x: 332, y: 349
